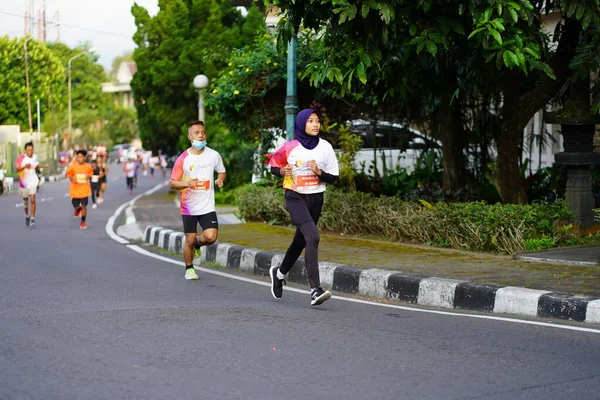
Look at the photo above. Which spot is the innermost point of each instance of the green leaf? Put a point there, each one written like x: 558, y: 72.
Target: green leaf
x: 365, y: 12
x: 426, y: 5
x: 513, y: 5
x: 531, y: 52
x: 513, y: 15
x: 586, y: 20
x: 365, y: 59
x: 499, y: 9
x: 458, y: 27
x: 580, y: 11
x: 497, y: 23
x: 420, y: 46
x: 361, y: 73
x: 528, y: 5
x: 412, y: 30
x: 431, y: 47
x: 495, y: 34
x: 436, y: 37
x: 571, y: 9
x: 350, y: 80
x: 487, y: 14
x: 510, y: 58
x: 475, y: 32
x: 338, y: 76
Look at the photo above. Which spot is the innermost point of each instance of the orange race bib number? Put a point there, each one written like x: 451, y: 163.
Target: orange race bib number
x: 307, y: 181
x: 201, y: 185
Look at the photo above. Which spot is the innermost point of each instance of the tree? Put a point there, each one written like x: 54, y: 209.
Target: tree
x: 184, y: 39
x: 88, y: 103
x: 503, y: 41
x: 46, y: 73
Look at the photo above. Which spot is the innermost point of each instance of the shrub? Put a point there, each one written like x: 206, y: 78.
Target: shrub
x: 474, y: 226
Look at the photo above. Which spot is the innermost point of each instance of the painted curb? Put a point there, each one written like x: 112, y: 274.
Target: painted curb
x: 411, y: 288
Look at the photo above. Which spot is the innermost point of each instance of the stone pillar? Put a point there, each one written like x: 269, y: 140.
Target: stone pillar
x: 578, y: 128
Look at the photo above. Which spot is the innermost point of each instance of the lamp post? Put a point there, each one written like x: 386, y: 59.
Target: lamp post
x: 69, y: 79
x: 27, y: 82
x: 291, y: 101
x: 200, y: 82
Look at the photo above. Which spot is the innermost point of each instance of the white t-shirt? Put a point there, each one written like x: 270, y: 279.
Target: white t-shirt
x: 27, y: 177
x: 200, y: 199
x: 130, y: 169
x: 304, y: 179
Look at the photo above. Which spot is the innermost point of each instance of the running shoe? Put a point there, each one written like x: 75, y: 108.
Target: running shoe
x: 83, y: 225
x: 319, y: 296
x: 27, y: 221
x: 100, y: 200
x: 94, y: 205
x: 76, y: 213
x: 190, y: 274
x: 32, y: 221
x: 276, y: 283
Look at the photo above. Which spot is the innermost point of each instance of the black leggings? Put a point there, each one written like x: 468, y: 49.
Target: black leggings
x: 95, y: 190
x: 305, y: 210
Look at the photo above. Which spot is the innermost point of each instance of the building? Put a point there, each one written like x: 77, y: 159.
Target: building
x: 121, y: 88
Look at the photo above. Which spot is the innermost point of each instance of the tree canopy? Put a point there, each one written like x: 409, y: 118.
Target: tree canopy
x: 468, y: 50
x: 184, y: 39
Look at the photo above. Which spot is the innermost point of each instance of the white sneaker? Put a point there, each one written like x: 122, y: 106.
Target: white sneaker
x: 190, y: 274
x: 94, y: 205
x: 100, y: 200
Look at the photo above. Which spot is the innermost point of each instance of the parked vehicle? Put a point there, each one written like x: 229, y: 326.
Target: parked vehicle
x: 118, y: 153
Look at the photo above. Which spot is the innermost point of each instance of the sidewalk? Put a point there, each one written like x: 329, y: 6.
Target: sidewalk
x: 419, y: 274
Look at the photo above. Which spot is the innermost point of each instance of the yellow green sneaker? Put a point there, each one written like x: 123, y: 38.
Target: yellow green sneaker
x: 190, y: 274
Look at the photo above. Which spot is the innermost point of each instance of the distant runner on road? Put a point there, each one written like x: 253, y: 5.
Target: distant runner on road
x: 307, y: 164
x: 193, y: 175
x: 26, y: 165
x: 80, y: 173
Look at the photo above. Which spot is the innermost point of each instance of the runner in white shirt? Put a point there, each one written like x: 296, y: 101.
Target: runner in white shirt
x: 307, y: 164
x: 28, y: 180
x: 193, y: 175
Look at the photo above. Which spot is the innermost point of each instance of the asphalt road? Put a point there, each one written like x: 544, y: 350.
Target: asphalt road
x: 84, y: 317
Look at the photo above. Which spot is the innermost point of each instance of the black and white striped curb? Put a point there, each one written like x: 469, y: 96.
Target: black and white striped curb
x: 385, y: 284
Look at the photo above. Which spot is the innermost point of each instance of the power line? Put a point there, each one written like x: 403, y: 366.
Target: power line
x: 70, y: 26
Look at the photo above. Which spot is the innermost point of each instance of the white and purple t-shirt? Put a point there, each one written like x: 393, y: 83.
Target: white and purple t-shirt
x: 200, y: 199
x: 303, y: 179
x: 27, y: 177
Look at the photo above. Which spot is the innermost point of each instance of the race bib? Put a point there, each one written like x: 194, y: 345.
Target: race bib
x: 95, y: 178
x: 81, y: 178
x: 307, y: 181
x: 201, y: 185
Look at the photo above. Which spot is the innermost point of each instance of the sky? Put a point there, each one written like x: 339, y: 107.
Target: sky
x: 107, y: 24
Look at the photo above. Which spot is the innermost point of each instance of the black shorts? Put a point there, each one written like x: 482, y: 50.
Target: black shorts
x: 79, y: 202
x: 206, y: 221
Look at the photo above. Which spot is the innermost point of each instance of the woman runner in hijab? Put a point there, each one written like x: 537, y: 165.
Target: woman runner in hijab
x: 307, y: 164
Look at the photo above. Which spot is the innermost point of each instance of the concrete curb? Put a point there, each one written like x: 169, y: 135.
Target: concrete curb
x: 411, y: 288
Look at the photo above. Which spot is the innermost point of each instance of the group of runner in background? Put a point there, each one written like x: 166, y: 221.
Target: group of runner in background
x: 87, y: 170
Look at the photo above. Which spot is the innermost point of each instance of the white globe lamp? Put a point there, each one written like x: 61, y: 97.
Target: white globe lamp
x: 200, y: 82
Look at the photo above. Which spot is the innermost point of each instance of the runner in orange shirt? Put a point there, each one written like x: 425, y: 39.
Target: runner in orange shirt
x: 79, y: 173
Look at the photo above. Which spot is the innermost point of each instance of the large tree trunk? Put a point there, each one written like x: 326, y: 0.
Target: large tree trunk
x: 518, y: 108
x: 450, y: 131
x: 511, y: 132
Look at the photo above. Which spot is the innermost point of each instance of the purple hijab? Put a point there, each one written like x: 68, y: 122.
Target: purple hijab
x: 307, y: 141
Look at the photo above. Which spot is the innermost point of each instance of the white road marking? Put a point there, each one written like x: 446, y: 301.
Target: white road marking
x: 147, y: 253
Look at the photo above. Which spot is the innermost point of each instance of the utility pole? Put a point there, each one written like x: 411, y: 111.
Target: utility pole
x: 27, y: 82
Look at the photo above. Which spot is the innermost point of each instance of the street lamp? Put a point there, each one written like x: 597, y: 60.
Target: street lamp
x: 27, y: 82
x: 69, y: 78
x: 200, y: 82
